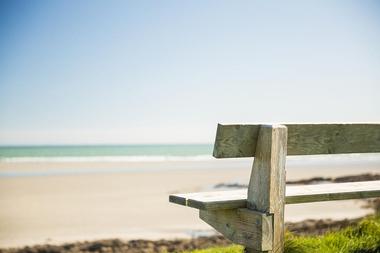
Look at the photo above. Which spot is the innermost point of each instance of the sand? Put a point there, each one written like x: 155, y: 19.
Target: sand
x: 55, y: 202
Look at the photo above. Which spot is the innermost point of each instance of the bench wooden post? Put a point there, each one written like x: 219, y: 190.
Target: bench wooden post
x: 266, y: 191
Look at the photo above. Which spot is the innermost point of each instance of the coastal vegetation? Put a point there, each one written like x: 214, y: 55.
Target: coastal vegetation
x: 363, y: 237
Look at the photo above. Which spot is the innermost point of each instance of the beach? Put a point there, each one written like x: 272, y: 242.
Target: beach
x: 65, y: 201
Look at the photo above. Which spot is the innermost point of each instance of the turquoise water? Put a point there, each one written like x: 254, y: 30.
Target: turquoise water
x: 174, y: 150
x: 98, y: 153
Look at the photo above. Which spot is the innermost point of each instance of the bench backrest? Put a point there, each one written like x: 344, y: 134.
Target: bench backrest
x: 234, y: 141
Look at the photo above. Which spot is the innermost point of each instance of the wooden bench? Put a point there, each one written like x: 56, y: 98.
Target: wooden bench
x: 254, y: 217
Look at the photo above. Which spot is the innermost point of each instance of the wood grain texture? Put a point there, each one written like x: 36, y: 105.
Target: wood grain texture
x: 266, y: 190
x: 243, y: 226
x: 303, y: 139
x: 211, y: 200
x: 329, y: 192
x: 294, y: 195
x: 235, y: 140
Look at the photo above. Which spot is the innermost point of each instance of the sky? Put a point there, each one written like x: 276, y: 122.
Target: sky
x: 123, y: 72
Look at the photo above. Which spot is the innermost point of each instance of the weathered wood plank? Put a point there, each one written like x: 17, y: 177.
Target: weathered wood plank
x: 329, y: 192
x: 211, y: 200
x: 295, y: 194
x: 243, y: 226
x: 266, y: 190
x: 303, y: 139
x: 235, y: 141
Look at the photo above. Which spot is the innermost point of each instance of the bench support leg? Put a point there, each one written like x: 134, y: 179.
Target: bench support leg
x: 243, y: 226
x: 266, y: 191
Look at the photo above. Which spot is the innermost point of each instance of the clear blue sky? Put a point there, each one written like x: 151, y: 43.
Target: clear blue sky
x: 169, y: 71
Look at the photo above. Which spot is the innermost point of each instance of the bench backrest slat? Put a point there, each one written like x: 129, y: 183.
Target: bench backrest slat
x: 303, y: 139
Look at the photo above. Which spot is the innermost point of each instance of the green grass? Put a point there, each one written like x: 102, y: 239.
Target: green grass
x: 361, y: 238
x: 229, y: 249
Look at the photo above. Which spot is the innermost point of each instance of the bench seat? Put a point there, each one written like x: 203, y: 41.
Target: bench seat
x: 294, y: 194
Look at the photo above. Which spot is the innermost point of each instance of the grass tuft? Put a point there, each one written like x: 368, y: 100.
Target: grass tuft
x: 361, y: 238
x: 228, y: 249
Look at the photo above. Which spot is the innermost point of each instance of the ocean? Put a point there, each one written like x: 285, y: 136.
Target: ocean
x: 155, y: 152
x: 142, y: 153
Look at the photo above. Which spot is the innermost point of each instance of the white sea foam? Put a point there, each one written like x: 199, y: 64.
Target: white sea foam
x: 106, y: 159
x: 291, y: 160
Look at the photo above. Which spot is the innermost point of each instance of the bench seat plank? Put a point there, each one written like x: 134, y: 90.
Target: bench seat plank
x: 294, y: 195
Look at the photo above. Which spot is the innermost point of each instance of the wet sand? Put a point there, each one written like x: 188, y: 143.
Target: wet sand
x: 53, y: 202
